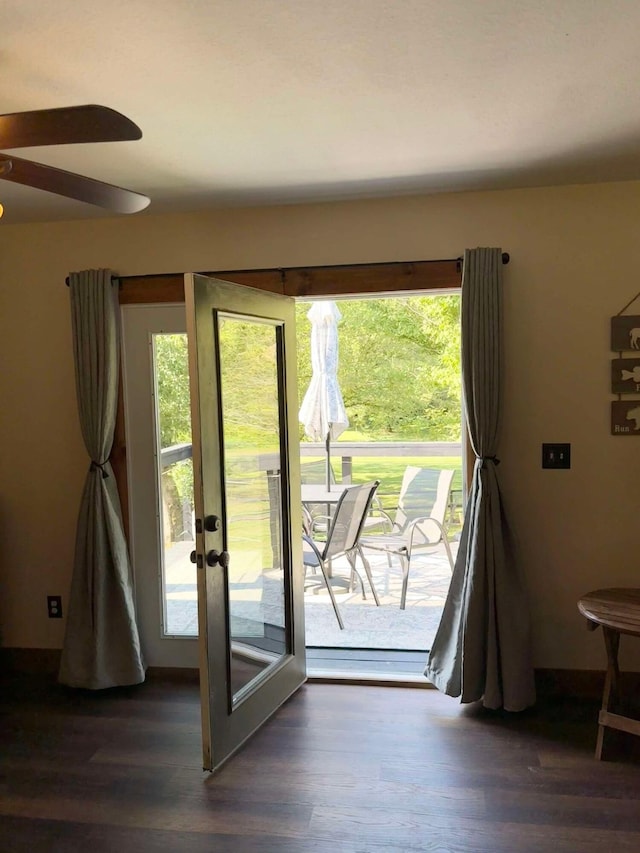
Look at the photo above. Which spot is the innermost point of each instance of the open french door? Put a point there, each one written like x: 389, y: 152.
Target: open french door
x: 247, y: 507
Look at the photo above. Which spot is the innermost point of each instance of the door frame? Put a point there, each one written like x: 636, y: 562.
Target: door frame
x: 377, y: 279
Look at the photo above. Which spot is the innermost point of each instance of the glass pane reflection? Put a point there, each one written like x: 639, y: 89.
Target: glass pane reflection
x: 251, y: 436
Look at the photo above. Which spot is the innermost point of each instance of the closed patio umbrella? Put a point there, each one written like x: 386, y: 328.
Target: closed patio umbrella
x: 322, y: 411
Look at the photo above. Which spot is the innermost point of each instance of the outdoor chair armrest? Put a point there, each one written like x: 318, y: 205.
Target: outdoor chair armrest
x: 378, y: 510
x: 313, y: 547
x: 320, y: 523
x: 416, y: 522
x: 307, y: 521
x: 385, y: 518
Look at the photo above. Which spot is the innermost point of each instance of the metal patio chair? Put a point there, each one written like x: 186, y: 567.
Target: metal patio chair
x: 315, y: 472
x: 317, y: 516
x: 342, y: 539
x: 419, y: 523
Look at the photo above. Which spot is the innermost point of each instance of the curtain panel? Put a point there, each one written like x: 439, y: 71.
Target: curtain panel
x: 102, y: 644
x: 482, y: 647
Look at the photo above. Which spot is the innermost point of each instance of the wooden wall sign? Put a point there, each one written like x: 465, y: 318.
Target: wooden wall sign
x: 625, y: 417
x: 625, y: 376
x: 625, y: 333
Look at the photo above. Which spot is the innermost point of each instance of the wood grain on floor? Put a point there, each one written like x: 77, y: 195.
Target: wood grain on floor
x: 339, y: 768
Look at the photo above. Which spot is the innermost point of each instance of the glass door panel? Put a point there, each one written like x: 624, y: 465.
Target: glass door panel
x: 172, y: 450
x: 250, y: 412
x: 247, y: 507
x: 158, y: 424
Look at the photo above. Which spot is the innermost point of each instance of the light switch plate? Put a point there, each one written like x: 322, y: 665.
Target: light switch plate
x: 556, y: 456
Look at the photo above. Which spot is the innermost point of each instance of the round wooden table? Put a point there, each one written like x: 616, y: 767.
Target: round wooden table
x: 617, y: 610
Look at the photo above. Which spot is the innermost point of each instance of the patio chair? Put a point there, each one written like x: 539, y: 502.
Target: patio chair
x: 419, y: 521
x: 343, y: 540
x: 315, y: 472
x: 316, y: 517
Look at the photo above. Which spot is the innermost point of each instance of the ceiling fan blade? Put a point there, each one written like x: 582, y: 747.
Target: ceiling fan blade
x: 88, y: 123
x: 72, y: 186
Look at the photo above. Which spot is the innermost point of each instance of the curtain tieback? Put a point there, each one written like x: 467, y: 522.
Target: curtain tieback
x: 95, y: 466
x: 485, y: 459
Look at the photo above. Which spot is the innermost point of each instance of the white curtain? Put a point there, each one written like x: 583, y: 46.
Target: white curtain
x: 482, y: 647
x: 101, y: 645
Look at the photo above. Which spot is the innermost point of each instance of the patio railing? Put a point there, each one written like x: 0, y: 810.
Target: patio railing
x: 346, y: 451
x: 343, y: 450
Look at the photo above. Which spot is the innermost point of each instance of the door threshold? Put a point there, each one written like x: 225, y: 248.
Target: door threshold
x: 367, y: 665
x: 318, y: 676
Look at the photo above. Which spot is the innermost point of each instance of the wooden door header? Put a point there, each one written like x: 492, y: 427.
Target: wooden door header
x: 345, y: 280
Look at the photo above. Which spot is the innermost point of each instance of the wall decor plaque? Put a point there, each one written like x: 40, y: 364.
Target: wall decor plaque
x: 625, y: 376
x: 625, y: 417
x: 625, y: 333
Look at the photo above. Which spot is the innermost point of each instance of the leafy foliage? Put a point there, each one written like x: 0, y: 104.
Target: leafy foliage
x: 399, y: 366
x: 172, y: 388
x: 249, y: 383
x: 174, y: 412
x: 399, y: 372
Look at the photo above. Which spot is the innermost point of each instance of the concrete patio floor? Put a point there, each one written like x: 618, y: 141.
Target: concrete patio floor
x: 366, y: 625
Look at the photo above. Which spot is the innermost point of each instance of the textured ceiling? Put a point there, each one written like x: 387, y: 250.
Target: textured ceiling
x: 268, y: 101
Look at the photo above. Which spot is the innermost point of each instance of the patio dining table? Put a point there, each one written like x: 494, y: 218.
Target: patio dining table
x: 315, y: 493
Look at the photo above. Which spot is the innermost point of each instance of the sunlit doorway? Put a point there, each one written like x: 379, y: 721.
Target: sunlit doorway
x: 399, y: 373
x: 401, y: 359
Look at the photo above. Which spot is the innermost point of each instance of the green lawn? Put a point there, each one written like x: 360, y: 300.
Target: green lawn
x: 389, y: 471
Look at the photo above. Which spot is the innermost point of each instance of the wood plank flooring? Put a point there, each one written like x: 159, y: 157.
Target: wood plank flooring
x: 340, y: 768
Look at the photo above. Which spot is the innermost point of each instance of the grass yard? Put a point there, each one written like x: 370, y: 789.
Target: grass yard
x: 390, y: 470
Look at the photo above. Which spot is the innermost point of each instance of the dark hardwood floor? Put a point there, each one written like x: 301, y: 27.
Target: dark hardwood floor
x: 339, y: 768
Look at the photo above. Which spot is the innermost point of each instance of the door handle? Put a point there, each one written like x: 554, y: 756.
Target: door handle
x: 211, y: 524
x: 196, y: 558
x: 215, y: 558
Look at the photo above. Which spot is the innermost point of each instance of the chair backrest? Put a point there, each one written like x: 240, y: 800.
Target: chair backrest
x: 348, y: 519
x: 424, y: 493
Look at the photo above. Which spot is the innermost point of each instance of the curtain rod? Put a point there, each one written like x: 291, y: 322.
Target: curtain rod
x: 506, y: 257
x: 505, y: 260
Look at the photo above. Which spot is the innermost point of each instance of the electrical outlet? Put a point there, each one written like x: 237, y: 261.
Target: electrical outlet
x: 54, y: 606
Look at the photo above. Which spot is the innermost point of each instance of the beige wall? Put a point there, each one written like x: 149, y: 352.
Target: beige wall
x: 574, y: 252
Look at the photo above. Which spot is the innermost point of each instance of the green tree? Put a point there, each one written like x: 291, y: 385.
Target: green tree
x: 172, y: 388
x: 174, y: 418
x: 249, y: 381
x: 399, y: 371
x: 399, y: 365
